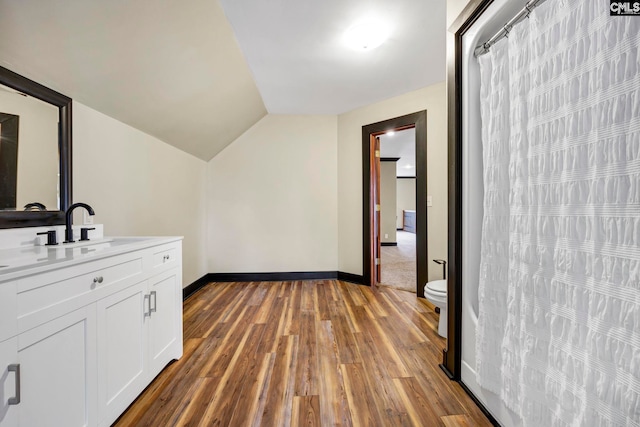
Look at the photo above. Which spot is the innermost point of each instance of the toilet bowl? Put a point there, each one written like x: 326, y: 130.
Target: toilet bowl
x: 436, y: 293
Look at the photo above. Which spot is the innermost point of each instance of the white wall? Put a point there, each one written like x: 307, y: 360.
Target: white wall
x: 138, y: 185
x: 432, y: 99
x: 388, y: 201
x: 38, y: 166
x: 405, y: 198
x: 272, y: 198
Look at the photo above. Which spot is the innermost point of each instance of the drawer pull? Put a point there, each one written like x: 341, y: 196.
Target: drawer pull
x: 98, y: 279
x: 165, y: 258
x: 16, y: 399
x: 152, y: 309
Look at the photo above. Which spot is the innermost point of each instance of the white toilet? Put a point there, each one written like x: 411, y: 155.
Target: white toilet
x: 436, y: 293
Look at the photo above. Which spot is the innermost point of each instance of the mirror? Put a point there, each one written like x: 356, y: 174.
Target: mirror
x: 29, y: 162
x: 35, y: 153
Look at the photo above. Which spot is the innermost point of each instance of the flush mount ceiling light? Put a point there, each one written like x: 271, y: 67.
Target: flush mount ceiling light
x: 366, y: 34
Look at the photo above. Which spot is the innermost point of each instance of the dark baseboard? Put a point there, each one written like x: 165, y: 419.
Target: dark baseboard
x: 480, y: 405
x: 389, y: 244
x: 352, y: 278
x: 195, y: 286
x: 447, y: 372
x: 269, y: 277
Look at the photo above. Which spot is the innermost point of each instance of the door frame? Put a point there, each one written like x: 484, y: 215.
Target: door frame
x: 452, y: 354
x: 419, y: 121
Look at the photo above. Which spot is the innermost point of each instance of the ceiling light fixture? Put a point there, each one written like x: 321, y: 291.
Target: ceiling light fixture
x: 391, y: 133
x: 366, y: 34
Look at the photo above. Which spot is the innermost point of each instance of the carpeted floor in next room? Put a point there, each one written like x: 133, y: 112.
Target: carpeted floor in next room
x: 399, y: 263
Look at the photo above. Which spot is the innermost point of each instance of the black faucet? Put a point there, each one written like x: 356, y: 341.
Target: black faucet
x: 68, y: 232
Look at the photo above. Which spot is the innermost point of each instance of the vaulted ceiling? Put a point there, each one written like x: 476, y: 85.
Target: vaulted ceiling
x: 301, y: 64
x: 197, y: 74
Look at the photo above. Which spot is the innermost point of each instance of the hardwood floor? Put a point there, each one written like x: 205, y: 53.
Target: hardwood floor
x: 314, y: 353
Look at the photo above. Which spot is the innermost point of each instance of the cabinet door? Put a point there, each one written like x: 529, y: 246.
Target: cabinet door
x: 122, y: 350
x: 8, y: 310
x: 57, y: 367
x: 165, y: 325
x: 8, y: 382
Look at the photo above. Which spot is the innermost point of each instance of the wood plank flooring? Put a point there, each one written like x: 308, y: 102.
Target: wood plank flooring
x: 313, y: 353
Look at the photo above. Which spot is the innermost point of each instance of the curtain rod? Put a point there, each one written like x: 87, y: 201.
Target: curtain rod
x: 506, y: 29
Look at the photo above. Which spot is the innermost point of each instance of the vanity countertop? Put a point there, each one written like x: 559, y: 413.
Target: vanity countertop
x: 24, y: 261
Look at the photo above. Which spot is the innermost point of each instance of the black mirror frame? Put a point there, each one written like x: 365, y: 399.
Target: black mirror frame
x: 18, y: 219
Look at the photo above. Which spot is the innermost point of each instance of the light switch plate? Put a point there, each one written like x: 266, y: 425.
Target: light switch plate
x: 429, y: 201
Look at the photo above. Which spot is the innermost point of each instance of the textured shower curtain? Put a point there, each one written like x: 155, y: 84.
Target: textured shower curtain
x: 559, y: 298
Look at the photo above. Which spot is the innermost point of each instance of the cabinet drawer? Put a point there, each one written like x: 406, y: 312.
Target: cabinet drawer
x: 44, y: 297
x: 166, y: 256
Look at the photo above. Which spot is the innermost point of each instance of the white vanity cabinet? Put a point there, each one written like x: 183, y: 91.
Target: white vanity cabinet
x: 57, y: 371
x: 85, y: 339
x: 49, y: 374
x: 165, y: 329
x: 122, y: 349
x: 139, y: 332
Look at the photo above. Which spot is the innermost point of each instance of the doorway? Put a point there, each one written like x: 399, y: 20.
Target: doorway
x: 398, y: 209
x: 371, y: 160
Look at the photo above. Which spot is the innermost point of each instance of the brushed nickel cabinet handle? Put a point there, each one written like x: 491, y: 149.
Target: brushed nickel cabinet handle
x: 147, y: 303
x: 152, y: 309
x: 16, y: 399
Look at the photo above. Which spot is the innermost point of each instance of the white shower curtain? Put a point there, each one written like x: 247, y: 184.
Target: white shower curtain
x: 559, y: 298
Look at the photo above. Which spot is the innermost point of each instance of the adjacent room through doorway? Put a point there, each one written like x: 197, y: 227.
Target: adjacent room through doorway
x: 398, y: 209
